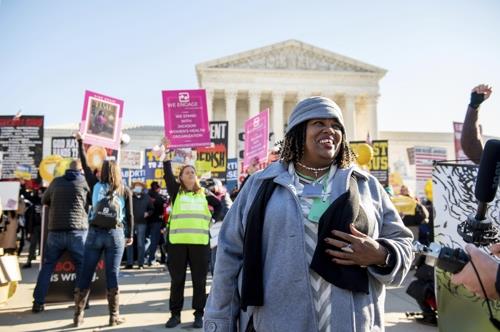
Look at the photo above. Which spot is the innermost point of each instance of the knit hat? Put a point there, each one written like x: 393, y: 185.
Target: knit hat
x: 314, y: 108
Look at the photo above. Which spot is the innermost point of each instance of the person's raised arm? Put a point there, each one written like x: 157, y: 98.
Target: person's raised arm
x: 471, y: 140
x: 168, y: 174
x: 90, y: 177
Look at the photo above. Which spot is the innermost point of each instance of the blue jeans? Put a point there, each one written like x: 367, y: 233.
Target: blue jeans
x: 142, y: 245
x: 112, y: 243
x: 154, y: 229
x: 57, y: 243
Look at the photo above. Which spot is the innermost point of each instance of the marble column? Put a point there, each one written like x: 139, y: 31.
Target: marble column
x: 349, y: 113
x: 371, y: 111
x: 277, y: 114
x: 210, y: 103
x: 302, y: 95
x: 253, y: 103
x: 231, y: 97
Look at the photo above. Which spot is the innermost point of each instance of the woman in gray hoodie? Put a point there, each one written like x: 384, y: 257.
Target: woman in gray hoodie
x: 311, y: 241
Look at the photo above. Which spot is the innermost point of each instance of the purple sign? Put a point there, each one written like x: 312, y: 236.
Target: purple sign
x: 186, y: 118
x: 256, y: 138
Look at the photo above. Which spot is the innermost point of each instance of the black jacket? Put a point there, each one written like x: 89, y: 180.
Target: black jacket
x: 68, y: 197
x: 158, y: 206
x: 33, y: 214
x: 141, y: 204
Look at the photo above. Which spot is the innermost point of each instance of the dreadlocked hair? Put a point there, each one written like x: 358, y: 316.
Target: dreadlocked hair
x: 291, y: 148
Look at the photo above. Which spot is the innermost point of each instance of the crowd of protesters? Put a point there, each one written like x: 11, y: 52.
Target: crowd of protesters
x: 92, y: 214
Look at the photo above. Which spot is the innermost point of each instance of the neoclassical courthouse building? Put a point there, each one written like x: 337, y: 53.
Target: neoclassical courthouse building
x: 276, y: 77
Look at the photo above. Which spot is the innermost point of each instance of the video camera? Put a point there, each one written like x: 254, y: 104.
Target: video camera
x: 477, y: 229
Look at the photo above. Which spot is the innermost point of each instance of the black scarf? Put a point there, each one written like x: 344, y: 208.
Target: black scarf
x: 252, y: 292
x: 345, y: 210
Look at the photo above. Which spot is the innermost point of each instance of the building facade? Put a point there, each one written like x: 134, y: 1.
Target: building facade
x: 278, y: 76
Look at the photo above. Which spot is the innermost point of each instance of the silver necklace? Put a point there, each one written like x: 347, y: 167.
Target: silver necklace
x: 313, y: 169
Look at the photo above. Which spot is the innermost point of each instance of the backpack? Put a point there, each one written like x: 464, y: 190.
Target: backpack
x: 107, y: 212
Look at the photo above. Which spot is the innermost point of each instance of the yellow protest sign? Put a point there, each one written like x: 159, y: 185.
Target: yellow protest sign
x: 404, y: 204
x: 48, y: 166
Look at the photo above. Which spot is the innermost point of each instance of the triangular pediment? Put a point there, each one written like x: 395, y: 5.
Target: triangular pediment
x: 291, y: 55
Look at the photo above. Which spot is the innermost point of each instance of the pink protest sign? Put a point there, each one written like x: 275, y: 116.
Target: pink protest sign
x: 102, y: 120
x: 256, y: 138
x: 186, y: 118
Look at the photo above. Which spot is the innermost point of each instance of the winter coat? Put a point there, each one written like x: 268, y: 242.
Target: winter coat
x: 288, y: 299
x: 67, y: 197
x: 141, y: 203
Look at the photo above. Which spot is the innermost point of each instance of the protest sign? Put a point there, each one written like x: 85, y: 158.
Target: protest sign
x: 63, y: 277
x: 453, y: 193
x: 186, y: 118
x: 21, y: 143
x: 64, y: 146
x: 131, y: 175
x: 378, y: 165
x: 232, y: 174
x: 425, y: 156
x: 23, y: 172
x: 256, y: 138
x: 216, y: 154
x: 101, y: 120
x: 153, y: 169
x: 131, y: 159
x: 9, y: 195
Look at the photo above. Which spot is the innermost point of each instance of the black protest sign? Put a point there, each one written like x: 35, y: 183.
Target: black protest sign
x: 64, y: 146
x: 21, y: 143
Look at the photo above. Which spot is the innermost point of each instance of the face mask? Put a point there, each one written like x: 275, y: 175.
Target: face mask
x: 137, y: 190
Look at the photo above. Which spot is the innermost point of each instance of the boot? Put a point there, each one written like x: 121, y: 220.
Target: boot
x: 173, y: 321
x: 114, y: 304
x: 81, y: 298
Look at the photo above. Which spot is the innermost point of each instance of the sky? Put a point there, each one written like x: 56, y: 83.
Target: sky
x: 435, y: 52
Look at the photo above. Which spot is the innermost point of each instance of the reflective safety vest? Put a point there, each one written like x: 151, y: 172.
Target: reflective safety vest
x: 190, y: 219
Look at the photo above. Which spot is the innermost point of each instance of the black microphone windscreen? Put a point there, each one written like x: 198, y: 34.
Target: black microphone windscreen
x: 488, y: 174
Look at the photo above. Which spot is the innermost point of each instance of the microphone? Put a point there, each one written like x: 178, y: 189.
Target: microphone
x: 478, y: 229
x: 487, y: 177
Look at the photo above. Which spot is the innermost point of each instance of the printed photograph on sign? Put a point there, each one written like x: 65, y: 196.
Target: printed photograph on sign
x: 101, y: 120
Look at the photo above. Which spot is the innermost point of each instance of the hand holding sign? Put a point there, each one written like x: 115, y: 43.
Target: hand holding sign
x: 79, y: 136
x: 166, y: 143
x: 159, y: 151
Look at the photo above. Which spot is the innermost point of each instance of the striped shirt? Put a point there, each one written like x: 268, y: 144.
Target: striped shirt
x: 321, y: 289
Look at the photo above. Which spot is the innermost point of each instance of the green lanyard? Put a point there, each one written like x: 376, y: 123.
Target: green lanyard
x: 320, y: 203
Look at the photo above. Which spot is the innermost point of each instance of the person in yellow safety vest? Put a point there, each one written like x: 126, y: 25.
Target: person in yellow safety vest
x: 187, y: 239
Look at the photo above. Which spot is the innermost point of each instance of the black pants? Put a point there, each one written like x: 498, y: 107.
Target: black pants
x: 34, y: 242
x: 179, y: 256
